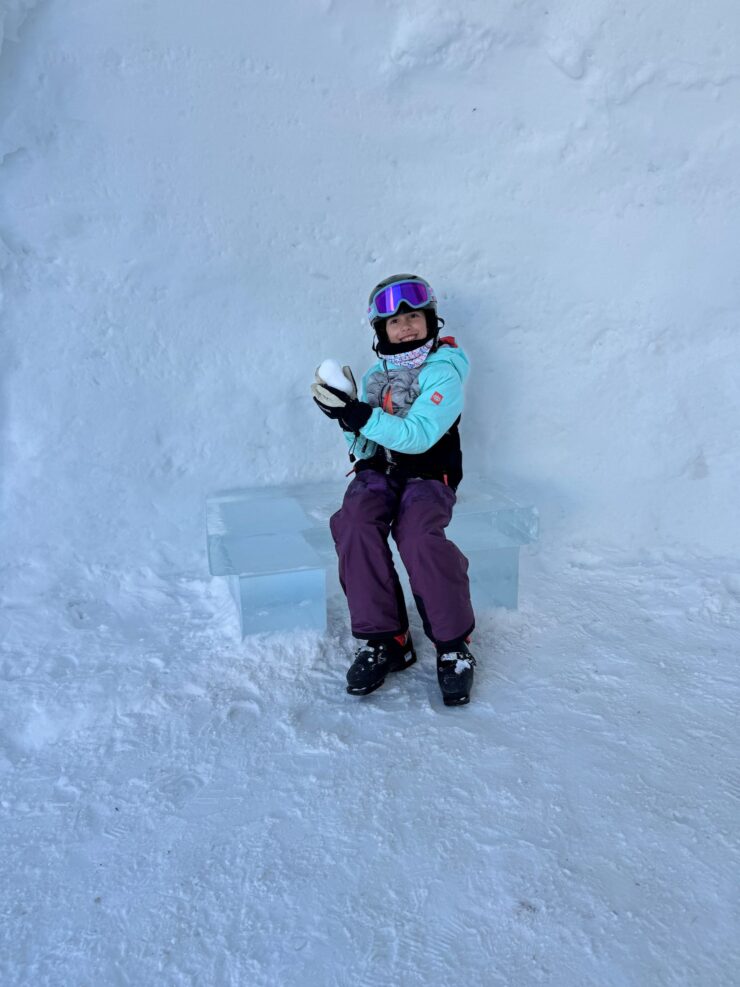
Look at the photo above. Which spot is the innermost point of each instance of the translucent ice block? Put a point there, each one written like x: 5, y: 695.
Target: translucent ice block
x: 257, y: 537
x: 275, y: 546
x: 280, y: 601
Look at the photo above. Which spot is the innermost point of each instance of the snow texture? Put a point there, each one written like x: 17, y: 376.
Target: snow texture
x: 179, y: 808
x: 194, y: 204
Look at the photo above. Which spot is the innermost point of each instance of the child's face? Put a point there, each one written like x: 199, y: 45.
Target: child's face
x: 404, y: 327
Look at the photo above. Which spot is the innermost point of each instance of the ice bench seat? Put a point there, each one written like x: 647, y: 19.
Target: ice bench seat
x: 274, y: 546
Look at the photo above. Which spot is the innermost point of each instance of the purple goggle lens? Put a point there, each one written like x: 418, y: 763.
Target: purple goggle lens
x: 388, y: 300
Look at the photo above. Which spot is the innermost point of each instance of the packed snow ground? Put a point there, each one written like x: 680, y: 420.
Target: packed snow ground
x: 182, y: 808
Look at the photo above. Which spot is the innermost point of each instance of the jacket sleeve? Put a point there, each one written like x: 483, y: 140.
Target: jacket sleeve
x: 429, y: 417
x: 363, y: 448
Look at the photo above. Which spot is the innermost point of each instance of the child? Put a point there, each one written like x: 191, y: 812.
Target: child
x: 404, y: 434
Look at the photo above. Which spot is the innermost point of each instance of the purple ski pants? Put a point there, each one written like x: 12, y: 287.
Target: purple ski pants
x: 415, y: 512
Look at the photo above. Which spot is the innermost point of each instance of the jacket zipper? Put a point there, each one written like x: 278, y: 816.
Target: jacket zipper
x: 388, y: 454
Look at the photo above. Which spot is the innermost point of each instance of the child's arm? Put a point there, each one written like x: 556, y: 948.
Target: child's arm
x: 429, y: 417
x: 359, y: 446
x: 361, y: 449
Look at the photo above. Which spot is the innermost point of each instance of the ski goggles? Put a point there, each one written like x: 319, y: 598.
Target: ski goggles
x: 416, y: 294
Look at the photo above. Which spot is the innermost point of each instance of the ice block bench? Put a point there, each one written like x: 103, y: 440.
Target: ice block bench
x: 274, y: 546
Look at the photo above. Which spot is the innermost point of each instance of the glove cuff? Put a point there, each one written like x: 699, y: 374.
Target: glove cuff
x: 355, y: 415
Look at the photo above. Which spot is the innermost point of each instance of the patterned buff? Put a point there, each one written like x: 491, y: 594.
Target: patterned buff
x: 412, y: 359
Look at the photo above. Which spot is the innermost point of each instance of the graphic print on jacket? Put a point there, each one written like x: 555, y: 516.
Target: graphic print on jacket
x: 429, y: 445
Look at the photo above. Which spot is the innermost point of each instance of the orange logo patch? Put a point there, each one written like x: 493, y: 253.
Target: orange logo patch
x: 437, y: 397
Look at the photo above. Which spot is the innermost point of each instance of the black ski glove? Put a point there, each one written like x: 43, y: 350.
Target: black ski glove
x: 348, y: 411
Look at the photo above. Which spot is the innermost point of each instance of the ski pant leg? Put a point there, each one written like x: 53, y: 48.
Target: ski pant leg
x: 360, y: 530
x: 438, y: 570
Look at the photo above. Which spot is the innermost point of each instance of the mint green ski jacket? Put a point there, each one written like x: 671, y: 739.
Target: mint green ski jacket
x: 426, y: 403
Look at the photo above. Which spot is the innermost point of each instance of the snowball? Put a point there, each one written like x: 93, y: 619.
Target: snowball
x: 331, y: 373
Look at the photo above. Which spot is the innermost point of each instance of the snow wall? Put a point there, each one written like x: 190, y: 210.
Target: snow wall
x: 196, y: 199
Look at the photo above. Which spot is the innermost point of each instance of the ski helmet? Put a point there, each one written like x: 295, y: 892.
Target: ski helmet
x: 389, y: 295
x: 401, y: 293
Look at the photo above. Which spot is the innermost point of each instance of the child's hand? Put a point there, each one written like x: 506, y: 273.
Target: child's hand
x: 347, y: 410
x: 331, y: 400
x: 341, y: 378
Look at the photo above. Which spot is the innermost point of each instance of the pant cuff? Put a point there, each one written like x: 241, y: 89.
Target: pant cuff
x: 455, y: 644
x: 379, y: 635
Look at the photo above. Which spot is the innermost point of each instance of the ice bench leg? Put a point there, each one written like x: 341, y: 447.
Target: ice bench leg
x: 494, y: 578
x: 280, y: 601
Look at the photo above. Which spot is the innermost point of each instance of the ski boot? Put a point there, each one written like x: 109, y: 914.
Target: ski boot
x: 375, y: 660
x: 455, y: 675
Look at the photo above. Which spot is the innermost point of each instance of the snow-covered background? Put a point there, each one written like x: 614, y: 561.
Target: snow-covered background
x: 194, y: 202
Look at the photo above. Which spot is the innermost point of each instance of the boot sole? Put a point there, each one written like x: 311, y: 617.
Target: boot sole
x: 456, y: 700
x: 366, y: 690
